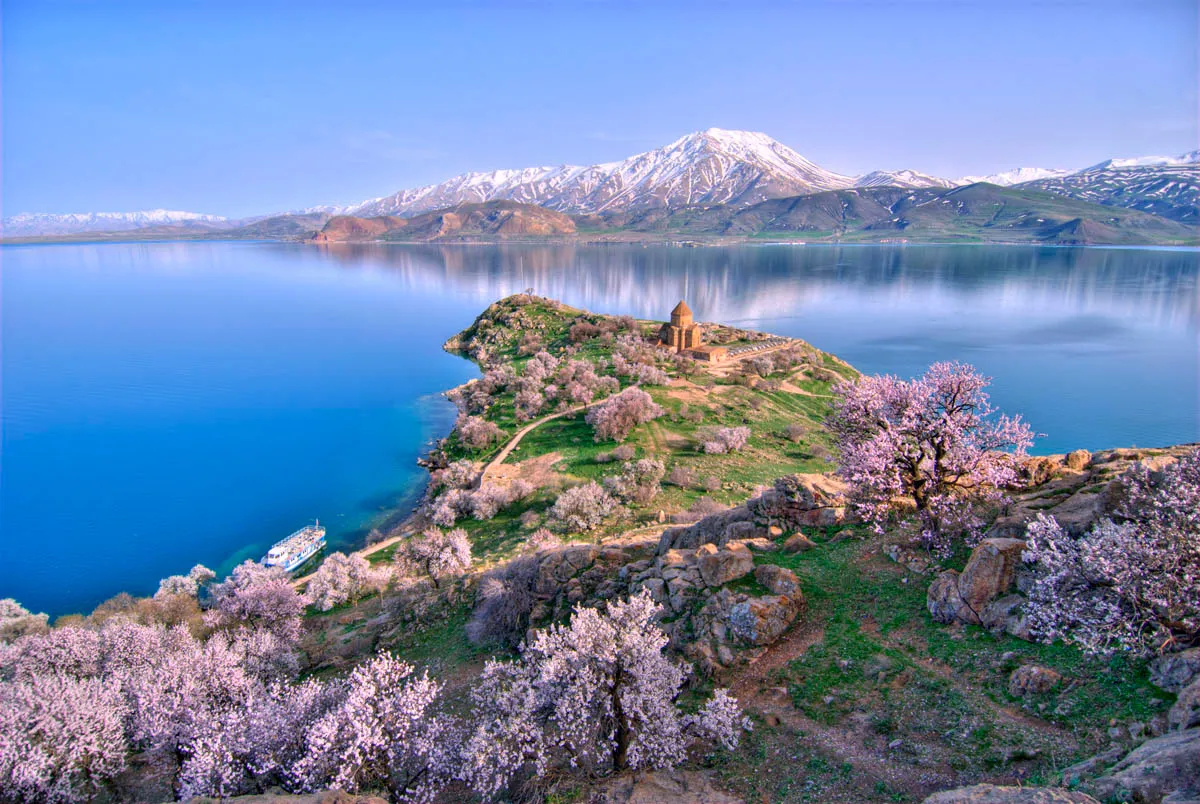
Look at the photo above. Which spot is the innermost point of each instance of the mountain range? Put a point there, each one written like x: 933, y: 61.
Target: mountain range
x: 715, y: 168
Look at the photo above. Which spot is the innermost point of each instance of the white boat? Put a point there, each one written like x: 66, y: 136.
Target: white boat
x: 292, y: 552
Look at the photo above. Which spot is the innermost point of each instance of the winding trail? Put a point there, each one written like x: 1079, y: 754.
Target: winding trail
x: 405, y: 530
x: 516, y: 440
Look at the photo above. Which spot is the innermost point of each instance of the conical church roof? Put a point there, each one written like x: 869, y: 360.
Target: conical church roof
x: 681, y: 309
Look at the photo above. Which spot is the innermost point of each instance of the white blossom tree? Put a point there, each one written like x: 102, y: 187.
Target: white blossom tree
x: 439, y: 554
x: 1130, y: 583
x: 582, y: 507
x: 342, y: 579
x: 62, y: 739
x: 598, y: 693
x: 384, y: 733
x: 17, y: 621
x: 615, y: 418
x: 257, y: 595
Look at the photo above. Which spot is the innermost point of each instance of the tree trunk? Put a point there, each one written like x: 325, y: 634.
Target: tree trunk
x: 624, y: 735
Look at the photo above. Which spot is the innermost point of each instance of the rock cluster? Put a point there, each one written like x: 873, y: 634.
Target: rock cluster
x: 977, y: 594
x: 1077, y: 489
x: 689, y: 571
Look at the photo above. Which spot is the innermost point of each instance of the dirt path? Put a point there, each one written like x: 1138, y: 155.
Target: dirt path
x: 516, y: 439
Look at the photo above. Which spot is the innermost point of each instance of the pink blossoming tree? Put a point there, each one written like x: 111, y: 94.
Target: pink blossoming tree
x: 934, y: 440
x: 616, y: 417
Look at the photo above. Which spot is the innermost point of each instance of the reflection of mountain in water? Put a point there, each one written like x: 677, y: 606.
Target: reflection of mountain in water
x: 760, y: 283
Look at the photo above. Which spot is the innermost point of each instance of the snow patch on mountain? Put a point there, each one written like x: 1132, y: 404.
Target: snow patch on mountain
x: 1020, y: 175
x: 901, y: 178
x: 40, y: 223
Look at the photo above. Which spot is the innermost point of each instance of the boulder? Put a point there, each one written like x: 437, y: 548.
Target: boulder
x: 942, y: 599
x: 1185, y: 714
x: 1038, y: 470
x: 1174, y: 671
x: 993, y: 794
x: 780, y: 580
x: 1032, y: 680
x: 720, y: 566
x: 988, y: 574
x: 1005, y: 615
x: 1155, y: 770
x: 762, y: 620
x: 1078, y: 460
x: 798, y: 543
x: 1080, y: 511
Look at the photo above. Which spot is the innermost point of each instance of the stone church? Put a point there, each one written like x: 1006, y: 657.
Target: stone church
x: 684, y: 335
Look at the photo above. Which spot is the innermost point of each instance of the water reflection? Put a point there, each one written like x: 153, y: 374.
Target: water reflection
x: 1097, y: 347
x: 757, y: 283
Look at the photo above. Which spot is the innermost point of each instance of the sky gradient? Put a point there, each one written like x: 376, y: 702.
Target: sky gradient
x: 253, y: 107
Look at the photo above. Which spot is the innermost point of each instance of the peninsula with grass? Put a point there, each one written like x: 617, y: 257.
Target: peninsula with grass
x: 667, y: 561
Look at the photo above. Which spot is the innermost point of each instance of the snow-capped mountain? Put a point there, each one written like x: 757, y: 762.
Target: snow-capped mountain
x: 706, y: 168
x: 1019, y: 175
x: 902, y: 178
x: 1190, y: 158
x: 27, y: 224
x: 1170, y: 188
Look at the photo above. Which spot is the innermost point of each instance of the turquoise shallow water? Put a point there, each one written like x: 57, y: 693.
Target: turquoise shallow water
x: 166, y: 404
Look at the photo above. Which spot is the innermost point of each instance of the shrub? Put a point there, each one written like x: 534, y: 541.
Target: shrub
x: 582, y: 508
x: 16, y: 621
x: 712, y: 483
x: 638, y: 482
x: 504, y: 602
x: 615, y: 418
x: 583, y: 331
x: 794, y: 432
x: 721, y: 440
x: 682, y: 476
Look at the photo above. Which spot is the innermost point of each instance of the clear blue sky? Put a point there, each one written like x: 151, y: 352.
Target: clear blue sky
x: 248, y: 107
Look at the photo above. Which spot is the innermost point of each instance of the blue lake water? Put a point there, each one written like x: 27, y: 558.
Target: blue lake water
x: 167, y: 404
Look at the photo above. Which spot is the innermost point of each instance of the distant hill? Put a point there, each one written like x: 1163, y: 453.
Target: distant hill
x: 978, y: 212
x: 495, y: 219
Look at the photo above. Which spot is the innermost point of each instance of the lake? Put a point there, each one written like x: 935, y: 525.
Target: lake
x: 165, y: 404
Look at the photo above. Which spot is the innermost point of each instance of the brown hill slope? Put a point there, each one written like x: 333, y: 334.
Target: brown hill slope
x: 495, y: 219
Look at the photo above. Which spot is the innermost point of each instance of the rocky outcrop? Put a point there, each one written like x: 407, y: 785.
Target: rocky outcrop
x: 1165, y: 769
x: 989, y: 573
x: 1174, y: 671
x: 1185, y: 713
x: 801, y: 499
x: 992, y: 794
x: 661, y: 787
